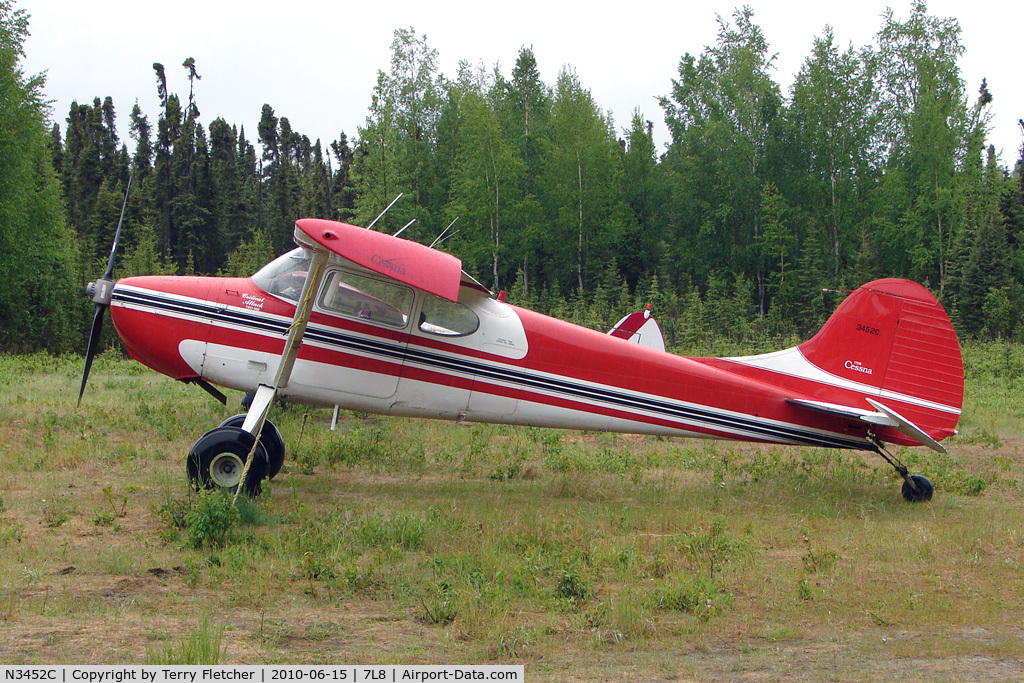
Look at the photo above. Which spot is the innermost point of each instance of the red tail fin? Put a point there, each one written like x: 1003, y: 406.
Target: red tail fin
x: 895, y: 336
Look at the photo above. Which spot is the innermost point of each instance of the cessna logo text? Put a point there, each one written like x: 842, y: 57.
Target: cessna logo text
x: 390, y: 264
x: 856, y: 366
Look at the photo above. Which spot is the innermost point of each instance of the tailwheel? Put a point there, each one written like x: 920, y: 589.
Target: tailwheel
x: 217, y: 461
x: 917, y: 488
x: 270, y: 439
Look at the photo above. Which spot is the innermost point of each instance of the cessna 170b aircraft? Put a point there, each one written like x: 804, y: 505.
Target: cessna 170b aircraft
x: 373, y: 322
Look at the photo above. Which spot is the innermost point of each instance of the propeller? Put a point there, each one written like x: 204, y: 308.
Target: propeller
x: 100, y: 291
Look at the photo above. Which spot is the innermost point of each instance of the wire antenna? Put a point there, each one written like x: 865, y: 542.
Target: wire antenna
x: 441, y: 238
x: 385, y: 210
x: 446, y: 238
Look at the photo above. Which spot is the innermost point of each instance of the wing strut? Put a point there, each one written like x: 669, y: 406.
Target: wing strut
x: 267, y: 394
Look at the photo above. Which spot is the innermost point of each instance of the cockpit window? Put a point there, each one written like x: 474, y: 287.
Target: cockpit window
x: 376, y: 301
x: 446, y: 318
x: 285, y: 275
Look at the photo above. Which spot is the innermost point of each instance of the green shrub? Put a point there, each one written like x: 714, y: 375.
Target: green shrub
x: 401, y: 531
x: 818, y: 560
x: 711, y: 549
x: 210, y: 521
x: 697, y: 595
x: 103, y: 518
x: 574, y: 585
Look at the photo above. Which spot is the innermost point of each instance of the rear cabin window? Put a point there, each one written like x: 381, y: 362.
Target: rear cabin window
x: 446, y: 319
x: 364, y: 298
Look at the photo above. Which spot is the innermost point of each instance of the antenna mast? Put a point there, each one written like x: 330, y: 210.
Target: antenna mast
x: 385, y: 210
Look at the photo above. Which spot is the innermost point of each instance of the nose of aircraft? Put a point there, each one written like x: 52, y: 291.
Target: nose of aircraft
x: 153, y: 315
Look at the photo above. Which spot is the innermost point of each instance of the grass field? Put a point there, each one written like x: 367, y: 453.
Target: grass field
x: 583, y: 556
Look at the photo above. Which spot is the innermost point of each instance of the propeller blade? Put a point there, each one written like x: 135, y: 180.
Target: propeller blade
x: 117, y: 233
x: 101, y: 291
x: 94, y: 342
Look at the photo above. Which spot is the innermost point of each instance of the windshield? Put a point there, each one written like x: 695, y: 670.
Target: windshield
x: 285, y: 275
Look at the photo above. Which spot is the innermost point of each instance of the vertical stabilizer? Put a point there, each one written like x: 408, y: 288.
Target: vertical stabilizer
x: 895, y: 336
x: 887, y: 356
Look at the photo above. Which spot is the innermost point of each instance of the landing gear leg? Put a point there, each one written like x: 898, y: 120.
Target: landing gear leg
x: 916, y: 487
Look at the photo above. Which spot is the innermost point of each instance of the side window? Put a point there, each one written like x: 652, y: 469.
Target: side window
x: 376, y: 301
x: 446, y: 319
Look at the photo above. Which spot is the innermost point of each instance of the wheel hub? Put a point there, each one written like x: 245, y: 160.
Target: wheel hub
x: 226, y: 470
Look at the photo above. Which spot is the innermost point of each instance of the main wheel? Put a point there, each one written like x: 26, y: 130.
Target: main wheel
x: 217, y: 459
x: 924, y: 491
x: 270, y: 439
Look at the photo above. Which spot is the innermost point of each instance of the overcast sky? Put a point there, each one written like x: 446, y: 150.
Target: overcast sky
x: 316, y: 61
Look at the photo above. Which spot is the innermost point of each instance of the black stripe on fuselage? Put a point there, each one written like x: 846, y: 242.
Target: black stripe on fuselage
x: 483, y: 370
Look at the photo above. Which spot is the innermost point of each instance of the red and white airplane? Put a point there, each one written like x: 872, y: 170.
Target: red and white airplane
x: 376, y: 323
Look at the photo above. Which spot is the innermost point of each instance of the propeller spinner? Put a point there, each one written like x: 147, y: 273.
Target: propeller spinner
x: 100, y: 291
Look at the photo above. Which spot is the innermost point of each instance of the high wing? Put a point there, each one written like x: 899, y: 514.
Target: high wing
x: 409, y: 262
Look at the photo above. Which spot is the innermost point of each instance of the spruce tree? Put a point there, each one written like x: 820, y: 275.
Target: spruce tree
x: 39, y: 307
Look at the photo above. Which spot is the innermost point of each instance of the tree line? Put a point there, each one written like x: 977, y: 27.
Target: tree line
x: 873, y: 164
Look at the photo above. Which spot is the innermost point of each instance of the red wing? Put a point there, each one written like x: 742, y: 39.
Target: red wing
x: 410, y: 262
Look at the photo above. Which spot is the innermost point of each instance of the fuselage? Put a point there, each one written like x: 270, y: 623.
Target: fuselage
x: 379, y: 346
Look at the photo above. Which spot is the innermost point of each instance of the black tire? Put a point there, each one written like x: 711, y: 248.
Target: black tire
x: 924, y: 491
x: 270, y: 439
x: 218, y: 456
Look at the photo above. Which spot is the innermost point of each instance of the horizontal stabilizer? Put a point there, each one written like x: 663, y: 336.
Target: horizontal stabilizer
x: 844, y: 411
x: 882, y: 415
x: 908, y: 428
x: 640, y: 328
x: 890, y: 341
